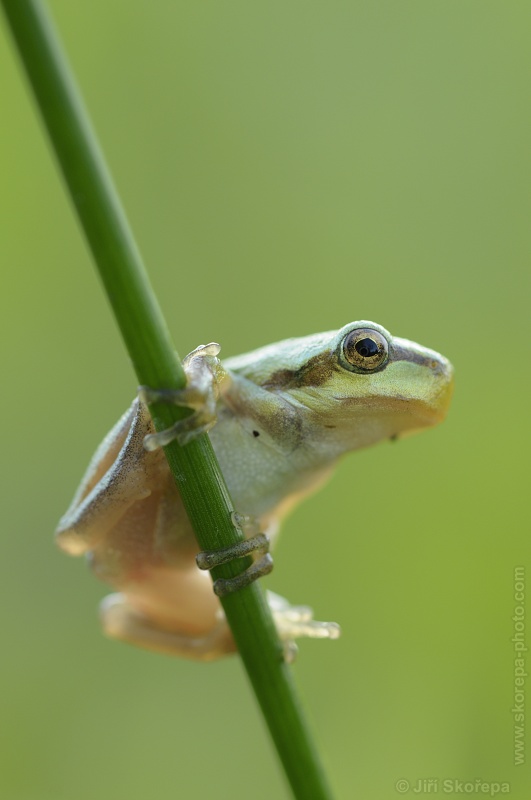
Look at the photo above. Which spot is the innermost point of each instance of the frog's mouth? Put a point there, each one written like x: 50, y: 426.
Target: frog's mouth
x: 376, y: 417
x: 422, y: 399
x: 412, y: 414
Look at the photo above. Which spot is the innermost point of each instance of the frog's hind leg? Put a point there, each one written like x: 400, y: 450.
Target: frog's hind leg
x: 121, y: 621
x: 117, y: 476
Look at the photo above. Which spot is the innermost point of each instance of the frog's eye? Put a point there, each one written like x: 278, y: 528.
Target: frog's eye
x: 366, y: 349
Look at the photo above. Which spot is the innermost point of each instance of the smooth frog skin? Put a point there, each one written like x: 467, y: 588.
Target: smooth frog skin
x: 284, y: 414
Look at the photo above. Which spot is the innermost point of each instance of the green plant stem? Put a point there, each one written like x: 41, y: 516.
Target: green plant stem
x: 149, y: 345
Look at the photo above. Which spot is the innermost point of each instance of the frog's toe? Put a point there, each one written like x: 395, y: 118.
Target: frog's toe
x: 256, y: 545
x: 295, y: 622
x: 249, y: 525
x: 184, y: 431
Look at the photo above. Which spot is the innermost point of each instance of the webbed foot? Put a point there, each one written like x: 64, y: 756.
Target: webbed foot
x: 295, y: 622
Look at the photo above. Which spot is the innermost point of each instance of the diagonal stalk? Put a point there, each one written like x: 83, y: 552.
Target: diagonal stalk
x: 156, y: 364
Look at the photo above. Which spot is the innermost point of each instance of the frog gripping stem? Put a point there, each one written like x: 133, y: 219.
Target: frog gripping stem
x: 204, y: 374
x: 213, y: 558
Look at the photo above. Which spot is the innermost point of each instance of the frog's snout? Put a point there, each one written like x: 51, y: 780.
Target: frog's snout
x: 443, y: 387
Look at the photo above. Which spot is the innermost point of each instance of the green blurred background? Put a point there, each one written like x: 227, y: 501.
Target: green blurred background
x: 287, y: 168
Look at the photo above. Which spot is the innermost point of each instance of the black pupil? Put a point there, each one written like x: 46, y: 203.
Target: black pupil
x: 366, y: 347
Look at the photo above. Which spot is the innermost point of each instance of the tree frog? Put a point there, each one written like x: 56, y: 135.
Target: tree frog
x: 279, y: 418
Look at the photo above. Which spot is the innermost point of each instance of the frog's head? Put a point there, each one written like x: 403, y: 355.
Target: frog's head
x: 365, y: 385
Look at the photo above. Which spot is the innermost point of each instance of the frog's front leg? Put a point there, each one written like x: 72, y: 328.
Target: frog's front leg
x: 204, y: 376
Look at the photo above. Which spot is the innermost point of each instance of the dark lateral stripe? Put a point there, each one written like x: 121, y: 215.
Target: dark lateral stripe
x: 315, y: 372
x: 397, y: 353
x: 319, y: 369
